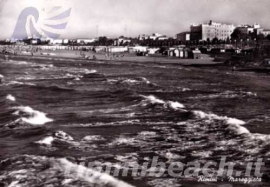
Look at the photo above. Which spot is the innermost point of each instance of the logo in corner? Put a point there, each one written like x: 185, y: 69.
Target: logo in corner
x: 41, y: 23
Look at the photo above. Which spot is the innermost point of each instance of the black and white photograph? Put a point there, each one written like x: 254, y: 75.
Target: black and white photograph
x: 134, y: 93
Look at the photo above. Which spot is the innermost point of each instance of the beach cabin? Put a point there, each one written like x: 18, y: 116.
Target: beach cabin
x: 186, y: 52
x: 176, y: 52
x: 117, y: 49
x: 137, y: 49
x: 195, y: 54
x: 179, y: 52
x: 171, y: 53
x: 152, y: 50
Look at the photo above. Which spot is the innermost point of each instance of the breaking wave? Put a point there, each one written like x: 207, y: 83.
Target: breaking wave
x: 34, y: 117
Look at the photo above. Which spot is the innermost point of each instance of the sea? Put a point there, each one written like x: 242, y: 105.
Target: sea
x: 58, y: 115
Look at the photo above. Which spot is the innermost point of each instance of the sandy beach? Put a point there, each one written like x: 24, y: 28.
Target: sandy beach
x: 123, y: 57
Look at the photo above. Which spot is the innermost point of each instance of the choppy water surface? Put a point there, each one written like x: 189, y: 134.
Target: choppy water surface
x: 57, y: 113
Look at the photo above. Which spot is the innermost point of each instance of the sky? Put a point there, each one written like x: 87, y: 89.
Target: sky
x: 113, y: 18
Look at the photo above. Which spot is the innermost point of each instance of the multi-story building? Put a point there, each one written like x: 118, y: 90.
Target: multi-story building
x: 247, y: 29
x: 183, y: 36
x: 204, y: 32
x: 255, y: 29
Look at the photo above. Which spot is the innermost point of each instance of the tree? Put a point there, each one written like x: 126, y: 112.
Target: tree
x: 268, y: 37
x: 260, y: 37
x: 215, y: 40
x: 236, y: 34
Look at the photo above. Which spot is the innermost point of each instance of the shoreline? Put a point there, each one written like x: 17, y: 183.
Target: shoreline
x: 127, y: 57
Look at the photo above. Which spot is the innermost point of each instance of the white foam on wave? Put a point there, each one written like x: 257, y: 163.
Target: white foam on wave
x: 63, y: 136
x: 148, y: 133
x: 234, y: 124
x: 57, y: 136
x: 123, y: 141
x: 170, y: 104
x: 87, y: 174
x: 18, y: 83
x: 91, y: 138
x: 35, y: 117
x: 153, y: 100
x: 227, y: 94
x: 46, y: 141
x: 19, y: 62
x: 175, y: 105
x: 130, y: 81
x: 87, y: 71
x: 11, y: 98
x: 145, y: 80
x: 1, y: 76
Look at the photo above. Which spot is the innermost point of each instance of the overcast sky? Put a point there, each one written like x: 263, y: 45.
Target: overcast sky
x: 134, y: 17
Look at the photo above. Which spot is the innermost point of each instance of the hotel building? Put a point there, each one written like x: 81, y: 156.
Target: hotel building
x: 204, y: 32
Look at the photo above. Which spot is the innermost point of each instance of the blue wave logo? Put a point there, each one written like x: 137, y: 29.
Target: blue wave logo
x: 53, y: 22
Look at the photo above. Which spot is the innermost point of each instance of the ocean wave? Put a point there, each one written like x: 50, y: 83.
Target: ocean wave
x: 203, y: 125
x: 87, y: 71
x: 227, y: 94
x: 34, y: 117
x: 63, y: 136
x: 165, y: 183
x: 18, y: 62
x: 10, y: 98
x: 89, y: 175
x: 38, y: 170
x: 131, y: 81
x: 130, y: 160
x: 46, y: 141
x: 18, y: 83
x: 124, y: 141
x: 61, y: 139
x: 234, y: 124
x: 46, y: 66
x: 57, y: 136
x: 91, y: 138
x: 167, y: 104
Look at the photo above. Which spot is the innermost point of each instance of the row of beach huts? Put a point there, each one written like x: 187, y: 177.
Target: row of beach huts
x: 178, y: 51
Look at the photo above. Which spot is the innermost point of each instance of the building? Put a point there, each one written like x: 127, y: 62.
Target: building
x: 195, y: 54
x: 56, y: 41
x: 204, y: 32
x: 121, y: 41
x: 248, y: 29
x: 116, y: 49
x: 255, y: 29
x: 65, y: 41
x: 266, y: 32
x: 138, y: 49
x: 154, y: 36
x: 142, y: 37
x: 85, y: 41
x: 183, y: 36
